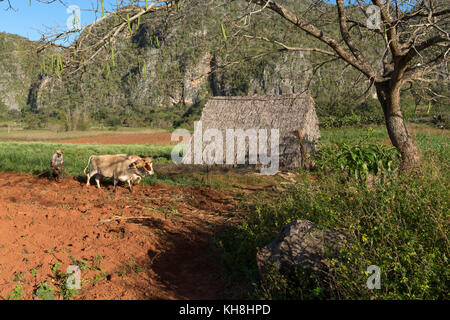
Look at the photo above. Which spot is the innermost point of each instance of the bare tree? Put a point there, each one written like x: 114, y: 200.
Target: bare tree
x: 415, y: 37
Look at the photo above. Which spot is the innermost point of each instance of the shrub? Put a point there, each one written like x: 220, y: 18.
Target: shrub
x: 35, y: 121
x: 360, y: 160
x: 16, y: 294
x: 45, y: 291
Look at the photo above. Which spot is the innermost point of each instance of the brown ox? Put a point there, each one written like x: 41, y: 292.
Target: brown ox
x: 120, y: 167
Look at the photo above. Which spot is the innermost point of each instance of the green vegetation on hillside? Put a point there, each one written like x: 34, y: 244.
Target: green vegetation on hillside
x: 18, y: 69
x: 163, y: 75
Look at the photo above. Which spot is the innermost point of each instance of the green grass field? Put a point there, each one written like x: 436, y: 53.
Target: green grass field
x: 432, y: 142
x: 34, y: 157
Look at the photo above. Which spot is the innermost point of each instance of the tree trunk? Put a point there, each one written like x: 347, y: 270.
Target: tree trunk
x: 398, y: 133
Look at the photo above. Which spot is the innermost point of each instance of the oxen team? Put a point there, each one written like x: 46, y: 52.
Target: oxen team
x: 119, y: 167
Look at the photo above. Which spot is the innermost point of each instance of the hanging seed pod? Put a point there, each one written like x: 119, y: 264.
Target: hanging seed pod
x: 112, y: 57
x: 52, y: 64
x: 43, y: 67
x: 129, y: 25
x: 57, y: 69
x: 103, y: 7
x: 224, y: 34
x: 59, y: 62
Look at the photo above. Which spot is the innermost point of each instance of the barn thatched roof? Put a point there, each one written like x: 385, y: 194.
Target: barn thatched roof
x: 287, y: 113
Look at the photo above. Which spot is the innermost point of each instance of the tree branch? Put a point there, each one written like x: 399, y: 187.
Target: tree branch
x: 347, y: 38
x: 391, y: 28
x: 330, y: 53
x: 312, y: 30
x: 418, y: 71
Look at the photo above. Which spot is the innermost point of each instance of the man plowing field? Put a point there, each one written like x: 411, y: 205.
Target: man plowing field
x: 57, y: 165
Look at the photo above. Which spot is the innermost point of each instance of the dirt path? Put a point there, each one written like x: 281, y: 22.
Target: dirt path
x: 158, y: 138
x: 153, y: 244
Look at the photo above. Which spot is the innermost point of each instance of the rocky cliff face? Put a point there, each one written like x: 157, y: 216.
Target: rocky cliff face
x: 166, y: 69
x: 18, y: 69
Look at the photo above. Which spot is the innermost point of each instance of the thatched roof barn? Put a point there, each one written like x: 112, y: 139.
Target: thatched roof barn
x: 291, y: 114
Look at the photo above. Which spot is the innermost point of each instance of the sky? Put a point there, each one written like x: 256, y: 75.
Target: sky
x: 28, y: 21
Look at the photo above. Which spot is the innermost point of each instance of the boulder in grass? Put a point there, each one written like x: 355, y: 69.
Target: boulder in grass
x: 301, y: 244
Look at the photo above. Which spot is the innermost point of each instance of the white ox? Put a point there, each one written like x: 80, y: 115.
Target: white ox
x: 119, y: 167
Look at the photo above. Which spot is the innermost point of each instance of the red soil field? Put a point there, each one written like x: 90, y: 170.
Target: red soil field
x: 154, y: 243
x: 160, y: 138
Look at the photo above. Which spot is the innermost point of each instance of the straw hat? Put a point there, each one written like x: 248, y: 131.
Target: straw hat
x: 59, y: 151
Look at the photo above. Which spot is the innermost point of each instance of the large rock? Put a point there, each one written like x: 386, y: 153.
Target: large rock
x: 301, y: 243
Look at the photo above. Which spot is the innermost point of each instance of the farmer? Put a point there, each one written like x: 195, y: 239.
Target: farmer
x: 57, y: 165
